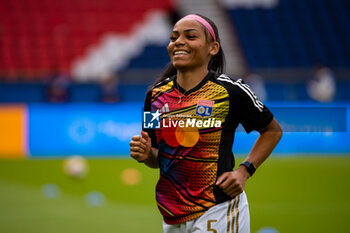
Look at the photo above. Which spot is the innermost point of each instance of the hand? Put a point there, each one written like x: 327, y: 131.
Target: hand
x: 140, y: 147
x: 233, y: 183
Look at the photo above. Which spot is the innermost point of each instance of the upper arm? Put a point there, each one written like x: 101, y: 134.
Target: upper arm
x: 249, y: 110
x: 273, y: 126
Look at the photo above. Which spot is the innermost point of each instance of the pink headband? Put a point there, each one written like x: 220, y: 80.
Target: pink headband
x: 203, y: 22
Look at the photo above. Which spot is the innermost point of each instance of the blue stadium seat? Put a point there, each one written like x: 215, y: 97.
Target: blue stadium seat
x: 153, y: 57
x: 22, y: 92
x: 296, y: 33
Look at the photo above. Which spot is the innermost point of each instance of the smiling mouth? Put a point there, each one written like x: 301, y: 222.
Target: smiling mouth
x: 180, y: 52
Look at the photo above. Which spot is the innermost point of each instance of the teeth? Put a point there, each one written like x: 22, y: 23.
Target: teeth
x: 180, y: 52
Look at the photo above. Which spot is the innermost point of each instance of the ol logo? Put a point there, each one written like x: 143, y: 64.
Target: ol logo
x: 204, y: 108
x: 151, y: 120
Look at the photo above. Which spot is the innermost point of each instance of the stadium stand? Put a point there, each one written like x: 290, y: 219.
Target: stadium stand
x: 38, y: 36
x: 295, y: 33
x: 147, y: 60
x: 45, y: 36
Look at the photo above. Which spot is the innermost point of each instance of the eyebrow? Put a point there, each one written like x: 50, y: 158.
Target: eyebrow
x: 187, y: 30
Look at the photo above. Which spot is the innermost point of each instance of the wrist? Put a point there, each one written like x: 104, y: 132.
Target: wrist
x: 149, y: 156
x: 243, y: 171
x: 248, y: 167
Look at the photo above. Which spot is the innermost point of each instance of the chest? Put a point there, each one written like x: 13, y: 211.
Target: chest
x: 208, y: 105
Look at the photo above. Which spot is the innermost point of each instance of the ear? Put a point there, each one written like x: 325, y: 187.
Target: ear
x: 214, y: 48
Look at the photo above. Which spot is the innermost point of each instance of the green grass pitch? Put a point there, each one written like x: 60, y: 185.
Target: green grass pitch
x: 293, y: 195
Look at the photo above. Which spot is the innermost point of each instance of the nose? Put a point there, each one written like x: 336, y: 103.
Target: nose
x: 179, y: 41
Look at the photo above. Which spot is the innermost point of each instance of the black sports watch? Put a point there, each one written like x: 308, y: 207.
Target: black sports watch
x: 250, y: 167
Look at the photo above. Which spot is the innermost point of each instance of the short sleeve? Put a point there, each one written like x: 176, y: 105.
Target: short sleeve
x: 151, y: 132
x: 251, y: 112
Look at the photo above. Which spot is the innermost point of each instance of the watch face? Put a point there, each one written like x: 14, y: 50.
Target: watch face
x: 250, y: 167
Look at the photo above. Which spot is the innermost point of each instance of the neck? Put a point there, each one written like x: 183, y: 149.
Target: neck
x: 190, y: 79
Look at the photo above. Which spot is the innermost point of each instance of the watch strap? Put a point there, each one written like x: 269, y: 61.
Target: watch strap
x: 249, y: 166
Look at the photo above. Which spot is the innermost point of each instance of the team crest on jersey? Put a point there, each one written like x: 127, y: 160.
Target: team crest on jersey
x: 204, y: 108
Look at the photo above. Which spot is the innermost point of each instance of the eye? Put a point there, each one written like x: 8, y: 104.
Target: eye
x: 172, y: 38
x: 191, y: 36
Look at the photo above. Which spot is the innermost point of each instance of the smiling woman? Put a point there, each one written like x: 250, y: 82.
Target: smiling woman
x: 198, y: 191
x: 194, y: 45
x: 188, y: 47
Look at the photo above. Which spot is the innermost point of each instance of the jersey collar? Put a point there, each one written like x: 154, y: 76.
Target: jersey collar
x: 196, y: 88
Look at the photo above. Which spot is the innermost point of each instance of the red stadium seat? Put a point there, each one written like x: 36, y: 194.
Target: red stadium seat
x: 39, y: 34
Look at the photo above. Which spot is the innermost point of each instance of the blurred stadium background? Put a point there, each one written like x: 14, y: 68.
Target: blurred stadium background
x: 73, y: 76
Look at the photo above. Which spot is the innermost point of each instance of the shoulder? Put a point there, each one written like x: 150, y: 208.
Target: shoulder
x: 160, y: 87
x: 225, y: 80
x: 233, y: 86
x: 163, y: 82
x: 239, y: 91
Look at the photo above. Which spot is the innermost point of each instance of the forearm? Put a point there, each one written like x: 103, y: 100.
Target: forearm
x: 264, y: 145
x: 152, y: 160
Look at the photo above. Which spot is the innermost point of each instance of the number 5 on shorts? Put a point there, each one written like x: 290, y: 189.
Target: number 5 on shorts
x: 209, y: 229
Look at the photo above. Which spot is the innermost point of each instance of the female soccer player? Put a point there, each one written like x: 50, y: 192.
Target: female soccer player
x: 198, y: 190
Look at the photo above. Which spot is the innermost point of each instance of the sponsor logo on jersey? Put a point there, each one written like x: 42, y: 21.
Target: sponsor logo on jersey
x: 209, y: 123
x: 165, y: 108
x: 151, y: 120
x: 204, y: 108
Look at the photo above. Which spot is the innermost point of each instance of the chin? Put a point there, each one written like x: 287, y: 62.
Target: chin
x: 182, y: 68
x: 180, y: 65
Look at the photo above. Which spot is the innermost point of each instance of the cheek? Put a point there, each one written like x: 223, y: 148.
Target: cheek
x: 203, y: 50
x: 170, y: 48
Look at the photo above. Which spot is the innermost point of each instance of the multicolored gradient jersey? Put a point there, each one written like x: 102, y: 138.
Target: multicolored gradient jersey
x: 195, y: 140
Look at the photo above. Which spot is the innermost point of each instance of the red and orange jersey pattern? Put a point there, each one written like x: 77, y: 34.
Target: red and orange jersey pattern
x: 195, y: 140
x: 188, y: 169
